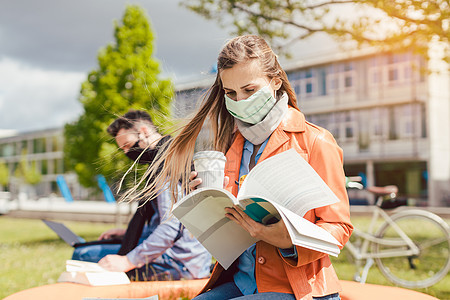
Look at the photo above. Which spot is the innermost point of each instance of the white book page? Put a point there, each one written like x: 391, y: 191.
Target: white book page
x: 307, y: 228
x: 288, y: 180
x: 306, y: 234
x: 83, y: 266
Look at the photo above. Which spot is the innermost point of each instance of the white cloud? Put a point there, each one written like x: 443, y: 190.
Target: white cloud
x: 32, y: 98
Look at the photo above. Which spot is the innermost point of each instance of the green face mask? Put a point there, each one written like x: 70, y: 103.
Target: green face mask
x: 253, y: 109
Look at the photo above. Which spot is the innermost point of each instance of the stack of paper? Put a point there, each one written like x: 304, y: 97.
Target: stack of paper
x: 91, y: 274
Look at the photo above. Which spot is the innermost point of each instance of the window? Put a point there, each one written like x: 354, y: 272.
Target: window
x: 375, y: 70
x: 334, y: 126
x: 309, y: 88
x: 379, y: 123
x: 407, y: 72
x: 292, y: 76
x: 44, y: 167
x: 296, y: 86
x: 376, y: 77
x: 411, y: 120
x: 322, y: 81
x: 392, y: 69
x: 39, y: 145
x: 304, y: 83
x: 59, y: 168
x: 308, y: 82
x: 332, y: 79
x: 348, y: 81
x: 393, y: 74
x: 340, y: 76
x: 350, y: 125
x: 8, y: 150
x: 294, y: 79
x: 57, y: 143
x: 343, y: 126
x: 393, y: 135
x: 334, y: 84
x: 423, y: 125
x: 322, y: 120
x: 348, y: 74
x: 363, y: 129
x: 348, y: 66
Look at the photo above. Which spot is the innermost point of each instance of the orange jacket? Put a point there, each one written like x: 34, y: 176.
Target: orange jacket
x: 312, y: 273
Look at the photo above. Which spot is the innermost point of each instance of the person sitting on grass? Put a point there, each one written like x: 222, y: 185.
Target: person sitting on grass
x: 155, y: 246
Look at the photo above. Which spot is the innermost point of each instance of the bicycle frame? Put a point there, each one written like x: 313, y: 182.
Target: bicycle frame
x: 362, y: 253
x: 400, y: 247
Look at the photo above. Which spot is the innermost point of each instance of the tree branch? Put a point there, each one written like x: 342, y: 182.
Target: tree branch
x: 332, y: 2
x: 270, y: 18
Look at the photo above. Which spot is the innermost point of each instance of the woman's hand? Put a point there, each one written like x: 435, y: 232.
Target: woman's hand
x: 112, y: 233
x: 275, y: 234
x: 194, y: 182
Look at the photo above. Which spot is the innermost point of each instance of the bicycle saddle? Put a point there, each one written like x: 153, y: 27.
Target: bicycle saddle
x: 383, y: 190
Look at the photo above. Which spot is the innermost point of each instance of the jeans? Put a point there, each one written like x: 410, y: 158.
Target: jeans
x: 229, y: 290
x: 93, y: 253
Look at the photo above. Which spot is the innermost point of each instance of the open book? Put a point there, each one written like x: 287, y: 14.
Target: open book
x: 91, y: 274
x: 283, y: 186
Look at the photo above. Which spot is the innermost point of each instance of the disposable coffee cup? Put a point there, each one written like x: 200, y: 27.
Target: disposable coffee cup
x: 210, y: 167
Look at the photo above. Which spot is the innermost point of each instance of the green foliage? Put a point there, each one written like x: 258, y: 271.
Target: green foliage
x: 29, y: 173
x: 390, y: 24
x: 4, y: 174
x: 127, y: 78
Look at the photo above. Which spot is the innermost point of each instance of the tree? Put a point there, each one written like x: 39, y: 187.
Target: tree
x: 389, y: 24
x: 29, y: 173
x: 127, y: 78
x: 4, y: 174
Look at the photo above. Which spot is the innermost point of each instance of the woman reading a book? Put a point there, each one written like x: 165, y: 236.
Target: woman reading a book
x: 253, y: 111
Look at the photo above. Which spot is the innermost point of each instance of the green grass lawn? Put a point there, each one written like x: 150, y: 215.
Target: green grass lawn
x: 32, y: 255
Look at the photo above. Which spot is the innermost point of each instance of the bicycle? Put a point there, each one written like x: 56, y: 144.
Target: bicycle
x: 411, y: 247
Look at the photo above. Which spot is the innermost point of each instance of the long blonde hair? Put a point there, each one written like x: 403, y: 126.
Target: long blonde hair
x: 178, y: 154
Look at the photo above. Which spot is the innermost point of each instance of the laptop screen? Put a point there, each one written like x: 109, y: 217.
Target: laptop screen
x: 64, y: 233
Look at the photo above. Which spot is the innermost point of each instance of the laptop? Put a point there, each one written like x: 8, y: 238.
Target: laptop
x: 74, y: 240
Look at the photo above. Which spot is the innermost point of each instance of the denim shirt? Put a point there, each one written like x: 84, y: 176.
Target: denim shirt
x: 162, y: 235
x: 244, y: 278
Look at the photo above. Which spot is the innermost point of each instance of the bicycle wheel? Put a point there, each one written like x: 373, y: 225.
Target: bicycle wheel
x: 430, y: 234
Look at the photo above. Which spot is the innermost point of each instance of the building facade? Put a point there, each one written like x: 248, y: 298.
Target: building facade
x: 384, y: 111
x: 43, y: 151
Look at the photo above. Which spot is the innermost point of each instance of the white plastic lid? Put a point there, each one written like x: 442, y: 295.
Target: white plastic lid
x: 209, y: 154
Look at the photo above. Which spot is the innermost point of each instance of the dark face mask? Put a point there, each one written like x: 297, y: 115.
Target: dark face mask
x: 145, y: 156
